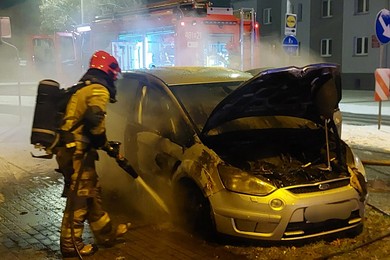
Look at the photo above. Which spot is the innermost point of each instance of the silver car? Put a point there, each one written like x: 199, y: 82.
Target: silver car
x: 249, y: 156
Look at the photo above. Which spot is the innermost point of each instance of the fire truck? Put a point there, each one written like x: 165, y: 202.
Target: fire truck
x: 168, y: 33
x: 56, y: 56
x: 179, y: 33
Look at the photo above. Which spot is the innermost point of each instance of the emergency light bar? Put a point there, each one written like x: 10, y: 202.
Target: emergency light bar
x: 84, y: 28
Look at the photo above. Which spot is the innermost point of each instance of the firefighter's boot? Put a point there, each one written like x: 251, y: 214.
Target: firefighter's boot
x: 86, y: 250
x: 121, y: 230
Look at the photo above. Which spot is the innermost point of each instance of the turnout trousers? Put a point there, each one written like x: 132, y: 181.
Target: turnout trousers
x: 84, y: 203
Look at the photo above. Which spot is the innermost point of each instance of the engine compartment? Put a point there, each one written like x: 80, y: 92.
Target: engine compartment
x: 284, y: 156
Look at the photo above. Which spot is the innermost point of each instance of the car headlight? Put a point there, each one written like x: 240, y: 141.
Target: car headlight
x: 240, y: 181
x: 359, y: 165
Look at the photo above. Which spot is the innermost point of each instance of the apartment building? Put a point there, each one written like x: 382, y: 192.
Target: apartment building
x: 337, y: 31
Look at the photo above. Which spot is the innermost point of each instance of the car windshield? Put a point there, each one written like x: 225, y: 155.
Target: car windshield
x: 200, y: 99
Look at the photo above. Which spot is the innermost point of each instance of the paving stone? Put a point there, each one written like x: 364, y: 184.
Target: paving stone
x: 39, y: 237
x: 32, y: 240
x: 30, y: 228
x: 32, y: 231
x: 9, y: 243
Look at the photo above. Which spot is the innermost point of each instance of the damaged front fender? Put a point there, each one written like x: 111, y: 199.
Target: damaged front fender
x: 200, y: 164
x: 358, y: 182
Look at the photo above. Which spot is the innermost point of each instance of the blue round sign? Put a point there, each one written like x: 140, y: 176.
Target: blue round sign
x: 290, y: 44
x: 382, y: 26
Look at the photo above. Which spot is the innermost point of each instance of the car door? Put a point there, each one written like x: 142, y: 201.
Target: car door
x: 158, y: 131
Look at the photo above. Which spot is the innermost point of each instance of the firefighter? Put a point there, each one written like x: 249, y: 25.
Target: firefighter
x: 84, y: 133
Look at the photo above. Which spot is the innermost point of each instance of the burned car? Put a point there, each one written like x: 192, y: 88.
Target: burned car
x: 257, y: 157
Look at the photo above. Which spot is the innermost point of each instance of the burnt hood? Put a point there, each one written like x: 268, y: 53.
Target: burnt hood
x: 312, y: 92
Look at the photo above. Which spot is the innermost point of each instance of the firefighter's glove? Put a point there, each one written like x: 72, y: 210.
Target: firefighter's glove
x: 112, y: 148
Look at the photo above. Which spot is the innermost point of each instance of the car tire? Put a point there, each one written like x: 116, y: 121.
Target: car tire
x: 193, y: 209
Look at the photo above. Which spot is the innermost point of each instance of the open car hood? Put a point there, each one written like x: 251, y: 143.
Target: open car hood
x: 312, y: 92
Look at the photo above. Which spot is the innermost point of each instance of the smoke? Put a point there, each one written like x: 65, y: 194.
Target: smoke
x: 121, y: 190
x: 29, y: 57
x: 273, y: 55
x: 124, y: 194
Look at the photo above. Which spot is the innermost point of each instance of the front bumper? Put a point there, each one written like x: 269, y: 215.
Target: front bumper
x: 302, y: 216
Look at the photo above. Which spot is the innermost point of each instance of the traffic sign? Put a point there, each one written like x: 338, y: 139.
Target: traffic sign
x: 290, y: 45
x: 382, y: 84
x: 382, y: 26
x: 291, y: 25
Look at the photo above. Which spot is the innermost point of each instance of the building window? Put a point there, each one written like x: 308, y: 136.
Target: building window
x: 299, y: 12
x: 326, y: 47
x: 327, y: 8
x: 267, y: 16
x: 362, y: 6
x: 361, y: 46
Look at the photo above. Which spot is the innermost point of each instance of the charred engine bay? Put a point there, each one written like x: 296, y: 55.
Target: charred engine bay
x: 286, y: 157
x: 285, y: 170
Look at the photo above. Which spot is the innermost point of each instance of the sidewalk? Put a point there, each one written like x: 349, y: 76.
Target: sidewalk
x: 30, y: 220
x: 362, y: 102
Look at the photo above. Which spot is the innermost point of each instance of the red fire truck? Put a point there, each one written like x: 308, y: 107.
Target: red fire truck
x: 169, y: 33
x: 56, y: 56
x: 178, y: 33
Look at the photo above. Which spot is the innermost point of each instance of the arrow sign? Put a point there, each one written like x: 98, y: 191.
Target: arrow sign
x: 382, y: 26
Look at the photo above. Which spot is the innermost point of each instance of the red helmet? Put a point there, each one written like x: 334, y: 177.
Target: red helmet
x: 106, y: 62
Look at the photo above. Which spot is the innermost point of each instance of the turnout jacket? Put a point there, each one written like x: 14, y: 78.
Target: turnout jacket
x: 85, y: 117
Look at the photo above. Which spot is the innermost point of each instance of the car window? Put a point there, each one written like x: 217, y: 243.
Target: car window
x: 126, y: 94
x: 200, y: 99
x: 158, y: 113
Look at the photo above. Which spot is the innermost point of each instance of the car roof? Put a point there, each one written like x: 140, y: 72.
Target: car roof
x: 173, y: 76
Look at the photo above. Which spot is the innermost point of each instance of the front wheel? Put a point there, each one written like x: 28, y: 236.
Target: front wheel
x: 194, y: 211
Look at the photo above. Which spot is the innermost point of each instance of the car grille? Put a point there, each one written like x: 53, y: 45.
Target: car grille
x: 303, y: 229
x: 320, y: 187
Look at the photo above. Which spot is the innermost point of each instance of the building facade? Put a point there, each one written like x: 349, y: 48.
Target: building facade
x: 336, y: 31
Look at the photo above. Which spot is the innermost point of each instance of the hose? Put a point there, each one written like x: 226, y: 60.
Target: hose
x: 361, y: 245
x: 73, y: 195
x: 376, y: 162
x: 354, y: 248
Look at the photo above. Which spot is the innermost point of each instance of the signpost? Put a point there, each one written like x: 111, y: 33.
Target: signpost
x: 382, y: 29
x: 290, y: 42
x: 291, y: 25
x: 290, y: 45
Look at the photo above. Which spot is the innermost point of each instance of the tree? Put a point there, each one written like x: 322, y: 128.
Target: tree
x: 61, y: 15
